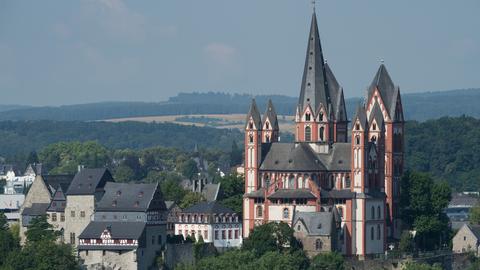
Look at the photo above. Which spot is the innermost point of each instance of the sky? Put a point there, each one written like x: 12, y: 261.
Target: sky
x: 55, y: 52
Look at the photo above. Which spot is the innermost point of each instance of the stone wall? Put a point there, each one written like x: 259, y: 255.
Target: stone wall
x: 465, y: 241
x: 99, y: 259
x: 179, y: 253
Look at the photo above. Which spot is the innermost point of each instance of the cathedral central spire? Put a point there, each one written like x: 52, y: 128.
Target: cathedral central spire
x: 314, y: 90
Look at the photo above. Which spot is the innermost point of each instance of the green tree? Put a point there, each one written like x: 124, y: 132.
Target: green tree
x: 8, y: 242
x: 475, y: 215
x: 188, y: 168
x: 328, y: 261
x: 41, y: 230
x: 172, y: 191
x: 272, y: 236
x: 421, y: 266
x: 406, y: 242
x: 191, y: 198
x: 123, y: 173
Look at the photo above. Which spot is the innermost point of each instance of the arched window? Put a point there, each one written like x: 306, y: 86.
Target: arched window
x: 321, y: 133
x: 374, y: 139
x: 308, y: 134
x: 285, y: 213
x: 250, y: 125
x: 347, y: 182
x: 372, y: 234
x: 320, y: 117
x: 267, y: 125
x: 267, y: 139
x: 291, y: 181
x: 318, y: 244
x: 379, y: 214
x: 251, y: 138
x: 373, y: 212
x: 357, y: 140
x: 357, y: 126
x: 300, y: 182
x: 340, y: 211
x: 374, y: 126
x: 307, y: 117
x: 331, y: 182
x: 259, y: 211
x: 378, y: 232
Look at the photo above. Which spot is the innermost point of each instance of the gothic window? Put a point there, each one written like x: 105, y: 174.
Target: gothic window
x: 357, y: 126
x: 307, y: 117
x: 291, y: 181
x: 372, y: 234
x: 267, y: 139
x: 379, y: 214
x: 374, y: 126
x: 250, y: 125
x: 259, y: 211
x: 374, y: 139
x: 267, y: 125
x: 318, y: 244
x: 373, y: 212
x: 331, y: 182
x: 286, y: 213
x: 308, y: 134
x: 320, y: 117
x: 300, y: 182
x: 378, y: 232
x: 357, y: 140
x: 321, y: 133
x: 251, y: 138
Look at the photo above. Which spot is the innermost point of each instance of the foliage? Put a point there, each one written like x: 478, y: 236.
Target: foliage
x: 172, y: 191
x: 8, y: 242
x: 41, y: 230
x: 406, y: 244
x: 191, y: 198
x: 272, y: 236
x: 327, y: 261
x: 233, y: 186
x: 422, y: 202
x: 475, y: 215
x: 421, y: 266
x: 64, y: 158
x: 188, y: 168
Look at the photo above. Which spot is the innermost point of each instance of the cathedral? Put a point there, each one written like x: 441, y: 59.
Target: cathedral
x: 348, y: 167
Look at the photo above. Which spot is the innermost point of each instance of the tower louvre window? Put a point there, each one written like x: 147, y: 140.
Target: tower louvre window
x: 250, y: 125
x: 321, y: 133
x: 307, y: 117
x: 357, y: 140
x: 251, y: 138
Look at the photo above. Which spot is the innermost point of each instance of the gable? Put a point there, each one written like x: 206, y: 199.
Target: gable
x: 38, y: 193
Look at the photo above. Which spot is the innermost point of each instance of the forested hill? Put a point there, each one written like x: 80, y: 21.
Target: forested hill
x: 419, y: 106
x: 448, y: 148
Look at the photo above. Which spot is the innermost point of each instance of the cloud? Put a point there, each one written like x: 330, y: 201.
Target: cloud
x: 220, y: 53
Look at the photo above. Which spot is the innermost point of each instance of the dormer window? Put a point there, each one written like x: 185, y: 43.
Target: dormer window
x: 267, y: 125
x: 250, y: 125
x: 320, y: 117
x: 357, y: 126
x: 307, y: 117
x: 374, y: 127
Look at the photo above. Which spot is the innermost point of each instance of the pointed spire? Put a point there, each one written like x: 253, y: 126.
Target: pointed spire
x: 383, y: 82
x: 361, y: 115
x: 271, y: 115
x: 255, y: 115
x: 314, y: 89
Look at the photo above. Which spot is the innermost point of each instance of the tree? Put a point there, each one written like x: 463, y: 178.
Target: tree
x: 188, y: 168
x: 124, y: 173
x: 8, y: 242
x: 236, y: 154
x: 271, y: 237
x: 420, y: 266
x: 406, y: 242
x: 172, y: 191
x: 191, y: 198
x: 327, y: 261
x: 41, y: 230
x: 475, y: 214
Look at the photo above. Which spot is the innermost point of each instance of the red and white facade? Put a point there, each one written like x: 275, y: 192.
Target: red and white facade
x: 322, y: 168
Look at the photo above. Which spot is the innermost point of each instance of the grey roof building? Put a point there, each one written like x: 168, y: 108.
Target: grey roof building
x: 89, y: 181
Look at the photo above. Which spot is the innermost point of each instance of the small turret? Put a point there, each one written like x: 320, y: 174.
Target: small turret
x: 270, y: 127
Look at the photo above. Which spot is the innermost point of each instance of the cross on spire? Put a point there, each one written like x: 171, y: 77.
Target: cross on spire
x: 313, y: 5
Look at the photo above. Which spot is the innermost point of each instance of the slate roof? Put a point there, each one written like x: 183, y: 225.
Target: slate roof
x: 209, y: 208
x: 210, y: 192
x: 259, y: 193
x: 271, y: 115
x: 461, y: 200
x: 337, y: 194
x: 37, y: 209
x: 169, y: 204
x: 475, y: 230
x: 255, y: 114
x: 314, y: 89
x: 57, y: 180
x: 300, y: 157
x: 383, y: 82
x: 376, y: 115
x: 312, y: 221
x: 58, y: 202
x: 129, y: 197
x: 336, y: 96
x: 118, y: 229
x: 88, y: 181
x: 292, y: 194
x: 361, y: 115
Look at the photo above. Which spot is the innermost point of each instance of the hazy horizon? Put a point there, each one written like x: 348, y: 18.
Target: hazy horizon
x: 56, y: 52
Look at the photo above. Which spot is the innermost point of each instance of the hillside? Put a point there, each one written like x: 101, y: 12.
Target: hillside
x: 418, y: 106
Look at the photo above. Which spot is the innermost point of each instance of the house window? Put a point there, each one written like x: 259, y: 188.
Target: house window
x: 159, y: 239
x: 104, y: 252
x: 205, y: 234
x: 54, y: 217
x: 267, y: 125
x: 216, y: 235
x: 224, y: 234
x: 72, y: 213
x: 378, y: 232
x: 374, y: 126
x: 72, y: 238
x: 82, y: 213
x: 298, y: 227
x: 259, y: 211
x: 285, y: 213
x: 62, y: 217
x: 379, y: 213
x: 236, y: 234
x: 347, y: 182
x: 372, y: 237
x: 308, y: 134
x: 373, y: 212
x: 320, y: 116
x: 318, y: 244
x: 229, y: 234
